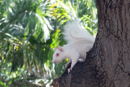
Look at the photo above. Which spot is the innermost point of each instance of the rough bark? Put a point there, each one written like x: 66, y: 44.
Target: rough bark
x: 108, y: 63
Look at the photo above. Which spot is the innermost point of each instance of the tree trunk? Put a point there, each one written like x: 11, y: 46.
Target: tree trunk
x: 108, y: 63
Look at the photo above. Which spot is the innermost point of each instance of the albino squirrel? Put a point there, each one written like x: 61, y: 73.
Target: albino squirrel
x: 79, y: 41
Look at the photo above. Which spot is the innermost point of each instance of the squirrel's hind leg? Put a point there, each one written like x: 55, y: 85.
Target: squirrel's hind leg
x: 80, y: 60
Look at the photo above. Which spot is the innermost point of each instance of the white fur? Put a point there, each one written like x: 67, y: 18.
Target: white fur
x: 79, y: 41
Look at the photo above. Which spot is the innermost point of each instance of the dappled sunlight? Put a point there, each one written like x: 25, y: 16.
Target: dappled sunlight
x: 29, y: 32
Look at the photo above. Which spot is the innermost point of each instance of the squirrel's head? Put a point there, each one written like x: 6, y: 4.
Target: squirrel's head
x: 58, y: 55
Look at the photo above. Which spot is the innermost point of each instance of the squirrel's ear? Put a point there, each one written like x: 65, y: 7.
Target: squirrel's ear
x: 55, y: 48
x: 59, y: 48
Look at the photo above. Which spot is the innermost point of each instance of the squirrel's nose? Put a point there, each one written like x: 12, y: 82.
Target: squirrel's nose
x: 53, y: 61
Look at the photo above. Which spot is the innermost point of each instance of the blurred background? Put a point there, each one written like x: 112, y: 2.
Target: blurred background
x: 29, y: 32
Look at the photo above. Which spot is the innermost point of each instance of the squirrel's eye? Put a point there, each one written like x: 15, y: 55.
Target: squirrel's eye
x: 57, y: 54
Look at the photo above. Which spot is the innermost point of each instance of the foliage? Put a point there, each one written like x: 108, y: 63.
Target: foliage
x: 31, y: 29
x: 2, y: 84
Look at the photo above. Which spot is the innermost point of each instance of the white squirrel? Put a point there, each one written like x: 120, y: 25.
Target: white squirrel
x: 79, y: 41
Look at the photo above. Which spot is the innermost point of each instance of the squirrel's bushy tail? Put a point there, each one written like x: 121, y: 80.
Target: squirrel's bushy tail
x: 74, y: 31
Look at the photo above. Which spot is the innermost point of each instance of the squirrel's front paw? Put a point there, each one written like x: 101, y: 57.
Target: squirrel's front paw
x: 69, y: 70
x: 66, y: 65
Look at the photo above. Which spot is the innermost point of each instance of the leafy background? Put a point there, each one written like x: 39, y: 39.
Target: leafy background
x: 29, y: 32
